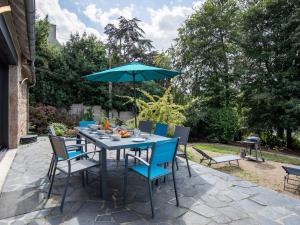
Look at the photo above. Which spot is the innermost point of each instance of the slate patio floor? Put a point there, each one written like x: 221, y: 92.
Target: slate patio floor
x: 209, y: 197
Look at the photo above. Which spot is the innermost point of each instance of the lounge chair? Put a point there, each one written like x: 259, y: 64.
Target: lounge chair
x: 219, y: 159
x: 292, y: 171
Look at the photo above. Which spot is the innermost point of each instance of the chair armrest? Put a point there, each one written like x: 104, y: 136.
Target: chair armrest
x: 74, y: 139
x: 74, y: 147
x: 83, y: 154
x: 136, y: 157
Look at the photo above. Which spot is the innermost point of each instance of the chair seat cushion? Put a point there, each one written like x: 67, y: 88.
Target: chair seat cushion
x: 77, y: 165
x: 226, y: 158
x: 156, y: 171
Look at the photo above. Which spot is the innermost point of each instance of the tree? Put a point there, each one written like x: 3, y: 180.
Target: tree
x: 209, y: 53
x: 51, y: 87
x: 127, y: 41
x: 271, y: 84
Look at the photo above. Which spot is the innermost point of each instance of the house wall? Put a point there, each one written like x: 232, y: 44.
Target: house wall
x: 17, y: 109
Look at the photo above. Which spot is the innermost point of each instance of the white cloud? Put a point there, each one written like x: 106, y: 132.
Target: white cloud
x: 108, y: 16
x: 66, y: 21
x: 198, y: 4
x: 165, y: 21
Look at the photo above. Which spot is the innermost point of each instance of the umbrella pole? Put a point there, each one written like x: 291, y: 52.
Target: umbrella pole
x: 135, y: 108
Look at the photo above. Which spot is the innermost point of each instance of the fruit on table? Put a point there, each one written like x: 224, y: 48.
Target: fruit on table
x: 124, y: 133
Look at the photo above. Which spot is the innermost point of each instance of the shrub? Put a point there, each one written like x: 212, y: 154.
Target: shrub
x: 41, y: 116
x: 159, y: 109
x: 215, y: 124
x: 270, y: 140
x: 87, y: 114
x: 59, y: 128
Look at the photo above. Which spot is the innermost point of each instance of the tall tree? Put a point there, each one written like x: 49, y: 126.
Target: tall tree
x: 271, y: 42
x: 209, y: 53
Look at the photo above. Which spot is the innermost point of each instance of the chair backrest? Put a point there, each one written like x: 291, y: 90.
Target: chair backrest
x: 59, y: 147
x: 145, y: 126
x: 87, y: 123
x: 163, y: 152
x: 161, y: 129
x: 183, y: 134
x: 51, y: 130
x: 203, y: 153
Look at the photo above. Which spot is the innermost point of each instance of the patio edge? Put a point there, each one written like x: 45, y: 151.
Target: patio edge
x: 5, y: 165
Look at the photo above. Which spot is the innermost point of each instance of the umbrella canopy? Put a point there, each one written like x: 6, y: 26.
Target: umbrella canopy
x: 132, y: 72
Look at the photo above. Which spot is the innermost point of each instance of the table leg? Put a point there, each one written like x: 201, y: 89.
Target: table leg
x: 118, y: 154
x: 103, y: 174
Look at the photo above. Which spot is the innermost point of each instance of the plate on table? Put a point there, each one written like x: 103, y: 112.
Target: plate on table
x: 138, y: 139
x: 104, y: 137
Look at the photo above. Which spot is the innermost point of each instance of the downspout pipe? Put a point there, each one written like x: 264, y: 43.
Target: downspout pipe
x: 30, y: 19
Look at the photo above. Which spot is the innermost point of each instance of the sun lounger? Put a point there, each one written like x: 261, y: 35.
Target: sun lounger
x: 295, y: 184
x: 219, y: 159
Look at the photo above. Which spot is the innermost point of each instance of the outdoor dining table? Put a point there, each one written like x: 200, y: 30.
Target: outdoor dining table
x: 110, y: 145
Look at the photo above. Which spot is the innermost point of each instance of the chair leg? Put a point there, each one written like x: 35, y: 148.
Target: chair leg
x: 176, y: 163
x: 124, y: 153
x: 135, y: 152
x: 175, y: 188
x: 238, y: 163
x: 51, y: 167
x: 52, y: 179
x: 147, y: 154
x: 187, y: 161
x: 150, y: 196
x: 65, y: 192
x: 125, y: 186
x: 82, y: 179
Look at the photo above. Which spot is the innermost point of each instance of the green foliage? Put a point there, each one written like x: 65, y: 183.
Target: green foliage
x: 159, y: 109
x: 208, y: 53
x: 87, y: 115
x: 59, y: 128
x: 41, y: 116
x: 216, y: 124
x: 270, y: 140
x: 271, y: 84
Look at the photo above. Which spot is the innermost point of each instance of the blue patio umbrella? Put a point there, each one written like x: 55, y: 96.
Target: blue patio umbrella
x: 132, y: 72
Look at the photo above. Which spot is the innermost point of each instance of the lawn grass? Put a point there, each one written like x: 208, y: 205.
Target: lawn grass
x: 229, y: 149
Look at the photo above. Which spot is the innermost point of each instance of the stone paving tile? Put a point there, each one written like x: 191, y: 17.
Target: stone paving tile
x: 208, y: 197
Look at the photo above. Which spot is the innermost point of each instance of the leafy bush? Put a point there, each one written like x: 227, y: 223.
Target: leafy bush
x: 159, y: 109
x: 87, y: 114
x: 270, y: 140
x: 59, y: 128
x: 215, y: 124
x: 41, y: 116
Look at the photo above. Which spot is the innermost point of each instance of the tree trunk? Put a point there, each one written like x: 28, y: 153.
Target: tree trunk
x: 280, y: 132
x: 289, y: 140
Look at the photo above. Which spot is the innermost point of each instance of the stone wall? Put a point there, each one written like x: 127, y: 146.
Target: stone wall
x: 18, y: 108
x: 98, y: 112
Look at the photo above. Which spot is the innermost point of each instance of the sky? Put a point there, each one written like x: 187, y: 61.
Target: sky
x: 160, y: 18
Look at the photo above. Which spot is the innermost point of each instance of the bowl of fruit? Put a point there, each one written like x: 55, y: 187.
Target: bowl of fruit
x: 124, y: 133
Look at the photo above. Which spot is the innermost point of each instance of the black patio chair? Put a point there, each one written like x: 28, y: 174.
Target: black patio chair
x: 183, y: 134
x: 68, y: 164
x: 73, y: 149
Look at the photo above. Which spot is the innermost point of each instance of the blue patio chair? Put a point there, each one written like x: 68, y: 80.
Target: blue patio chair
x: 68, y: 163
x: 87, y: 123
x: 163, y: 152
x: 295, y: 184
x: 161, y: 129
